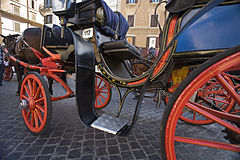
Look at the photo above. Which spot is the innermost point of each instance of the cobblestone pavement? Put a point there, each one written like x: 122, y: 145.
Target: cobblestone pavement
x: 68, y: 138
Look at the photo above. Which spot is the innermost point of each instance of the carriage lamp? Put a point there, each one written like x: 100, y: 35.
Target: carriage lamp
x: 23, y: 104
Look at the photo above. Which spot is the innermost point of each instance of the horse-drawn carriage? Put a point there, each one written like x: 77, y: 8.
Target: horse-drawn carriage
x: 194, y: 32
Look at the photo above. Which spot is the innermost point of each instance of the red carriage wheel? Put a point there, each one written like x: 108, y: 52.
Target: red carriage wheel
x: 176, y: 135
x: 35, y: 103
x: 103, y: 92
x: 8, y: 73
x: 213, y: 94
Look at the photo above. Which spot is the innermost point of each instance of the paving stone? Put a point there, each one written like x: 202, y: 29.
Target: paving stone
x: 22, y: 147
x: 88, y: 151
x: 33, y: 151
x: 115, y: 158
x: 149, y: 150
x: 43, y: 158
x: 99, y: 136
x: 87, y: 157
x: 100, y: 143
x: 61, y: 150
x: 53, y: 140
x: 101, y: 151
x: 139, y: 154
x: 39, y: 142
x: 75, y: 145
x: 48, y: 150
x: 112, y: 142
x: 154, y: 157
x: 124, y: 147
x: 14, y: 156
x: 88, y: 143
x: 113, y: 150
x: 144, y: 142
x: 67, y: 136
x: 127, y: 155
x: 28, y: 158
x: 65, y: 142
x: 77, y: 138
x: 59, y: 158
x: 76, y: 153
x: 134, y: 145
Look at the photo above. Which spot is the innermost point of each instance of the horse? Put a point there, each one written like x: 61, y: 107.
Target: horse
x: 16, y: 44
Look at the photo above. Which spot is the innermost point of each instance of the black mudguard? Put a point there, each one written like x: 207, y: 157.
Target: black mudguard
x: 85, y: 79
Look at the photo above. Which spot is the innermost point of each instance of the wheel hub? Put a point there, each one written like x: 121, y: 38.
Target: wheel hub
x: 23, y: 104
x: 31, y: 103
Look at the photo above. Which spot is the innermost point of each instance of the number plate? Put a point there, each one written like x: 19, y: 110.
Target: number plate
x: 88, y: 33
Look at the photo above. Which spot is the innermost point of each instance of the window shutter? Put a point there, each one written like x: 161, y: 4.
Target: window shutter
x: 133, y: 40
x: 127, y: 1
x: 147, y: 43
x: 153, y: 21
x: 131, y: 20
x: 157, y: 42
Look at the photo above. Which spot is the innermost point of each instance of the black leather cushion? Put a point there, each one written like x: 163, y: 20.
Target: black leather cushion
x: 120, y: 49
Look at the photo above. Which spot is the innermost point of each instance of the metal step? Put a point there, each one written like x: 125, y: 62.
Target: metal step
x: 109, y: 124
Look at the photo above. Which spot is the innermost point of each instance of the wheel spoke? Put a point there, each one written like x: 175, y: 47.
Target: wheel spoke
x: 37, y: 93
x: 194, y: 116
x: 39, y: 100
x: 103, y: 92
x: 36, y: 119
x: 39, y: 115
x: 32, y: 119
x: 102, y: 96
x: 212, y: 117
x: 99, y: 83
x: 100, y: 100
x: 30, y: 87
x: 34, y: 86
x: 26, y: 89
x: 96, y: 102
x: 103, y: 87
x: 24, y: 97
x: 228, y: 88
x: 226, y: 146
x: 40, y: 107
x: 28, y: 114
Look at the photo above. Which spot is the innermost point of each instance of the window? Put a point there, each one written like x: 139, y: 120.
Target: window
x: 16, y: 10
x: 33, y: 4
x: 131, y: 20
x: 48, y: 19
x: 48, y: 4
x: 154, y: 1
x: 16, y: 27
x: 151, y: 42
x: 131, y: 1
x: 153, y: 22
x: 131, y: 39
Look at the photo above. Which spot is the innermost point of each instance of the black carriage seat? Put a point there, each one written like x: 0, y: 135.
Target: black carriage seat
x: 117, y: 55
x: 51, y: 39
x: 120, y: 49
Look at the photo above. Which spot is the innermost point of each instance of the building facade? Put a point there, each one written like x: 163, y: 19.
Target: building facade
x: 17, y: 15
x: 115, y: 5
x: 143, y: 30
